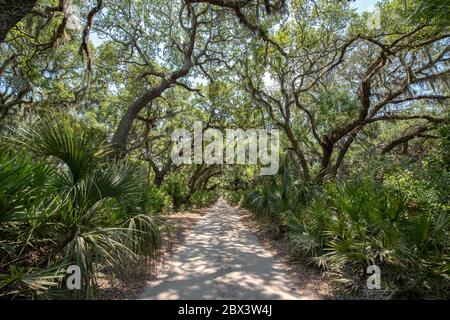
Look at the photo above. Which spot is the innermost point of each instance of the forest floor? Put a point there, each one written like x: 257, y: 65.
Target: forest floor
x: 223, y: 258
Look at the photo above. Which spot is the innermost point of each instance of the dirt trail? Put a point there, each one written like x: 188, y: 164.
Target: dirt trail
x: 222, y: 259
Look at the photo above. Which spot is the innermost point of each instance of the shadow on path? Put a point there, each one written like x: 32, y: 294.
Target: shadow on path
x: 221, y: 259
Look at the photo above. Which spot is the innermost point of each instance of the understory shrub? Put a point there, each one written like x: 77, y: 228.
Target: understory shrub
x: 359, y: 223
x: 235, y: 197
x: 202, y: 199
x: 177, y: 190
x: 154, y: 199
x: 64, y: 202
x: 345, y: 226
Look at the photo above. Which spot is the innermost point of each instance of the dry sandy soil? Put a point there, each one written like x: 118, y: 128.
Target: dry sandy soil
x: 130, y: 283
x: 222, y: 259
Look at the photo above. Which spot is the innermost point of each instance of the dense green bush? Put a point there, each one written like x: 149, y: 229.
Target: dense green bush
x: 176, y: 188
x: 235, y: 197
x: 154, y: 199
x: 278, y: 197
x: 64, y: 202
x: 343, y: 227
x: 201, y: 199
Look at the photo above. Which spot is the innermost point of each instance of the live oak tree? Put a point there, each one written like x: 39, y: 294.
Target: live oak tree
x: 191, y: 35
x: 324, y: 92
x: 11, y: 13
x: 41, y: 45
x: 381, y: 76
x: 187, y: 34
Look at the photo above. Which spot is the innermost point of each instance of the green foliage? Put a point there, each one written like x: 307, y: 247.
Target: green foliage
x: 65, y: 206
x: 361, y: 223
x: 148, y: 198
x: 347, y: 225
x: 146, y: 235
x: 202, y: 199
x: 280, y: 196
x: 235, y: 197
x: 21, y: 282
x: 155, y: 200
x: 176, y: 189
x: 344, y: 95
x: 431, y: 11
x: 22, y: 182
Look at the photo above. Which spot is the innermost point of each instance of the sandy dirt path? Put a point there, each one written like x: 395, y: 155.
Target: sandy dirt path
x: 222, y: 259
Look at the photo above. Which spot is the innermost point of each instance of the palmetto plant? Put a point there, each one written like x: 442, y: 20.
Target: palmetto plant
x: 280, y: 197
x: 31, y: 282
x: 73, y: 221
x: 356, y: 224
x: 345, y: 226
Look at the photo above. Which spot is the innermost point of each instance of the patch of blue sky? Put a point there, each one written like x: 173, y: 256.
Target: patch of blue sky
x: 364, y: 5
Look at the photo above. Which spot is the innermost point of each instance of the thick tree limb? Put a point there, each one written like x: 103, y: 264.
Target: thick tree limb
x: 417, y: 133
x: 11, y: 12
x: 84, y: 47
